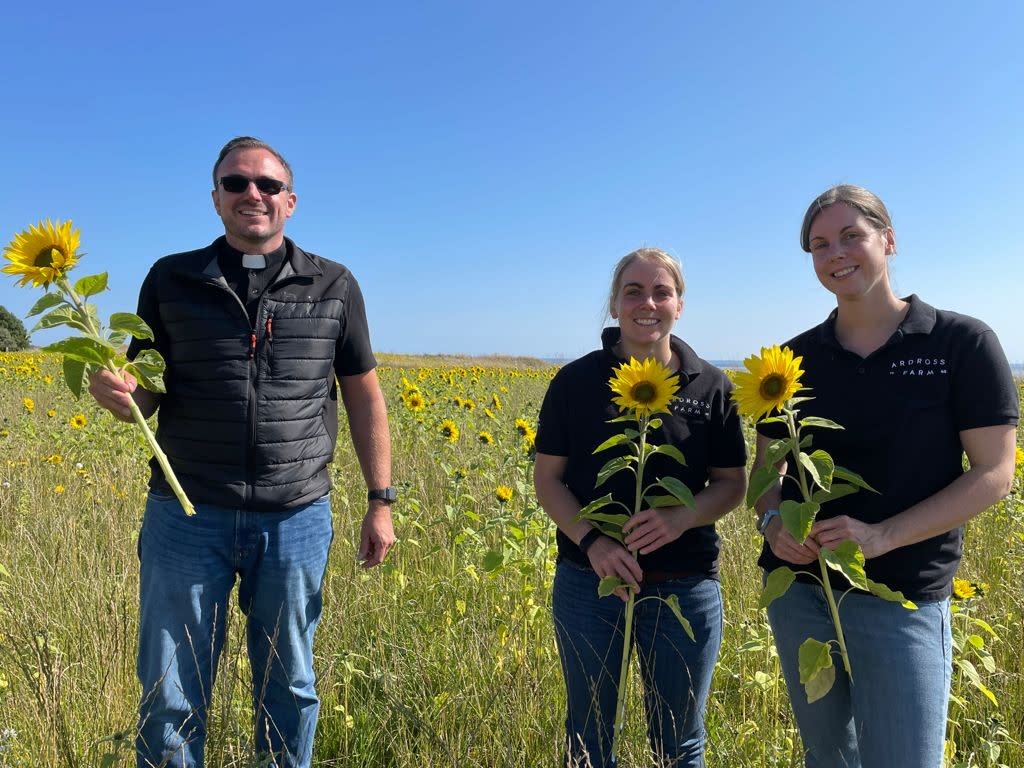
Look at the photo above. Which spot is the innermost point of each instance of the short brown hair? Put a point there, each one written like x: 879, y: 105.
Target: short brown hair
x: 864, y: 200
x: 248, y: 142
x: 656, y: 255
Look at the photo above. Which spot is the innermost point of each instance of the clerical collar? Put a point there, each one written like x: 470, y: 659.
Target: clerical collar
x: 254, y: 261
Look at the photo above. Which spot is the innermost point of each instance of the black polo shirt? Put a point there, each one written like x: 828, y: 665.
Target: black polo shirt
x: 903, y: 408
x: 703, y: 424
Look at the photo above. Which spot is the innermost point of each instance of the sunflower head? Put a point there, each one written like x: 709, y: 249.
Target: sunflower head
x: 643, y: 387
x: 963, y: 589
x: 42, y: 253
x: 768, y: 381
x: 503, y: 493
x: 449, y: 431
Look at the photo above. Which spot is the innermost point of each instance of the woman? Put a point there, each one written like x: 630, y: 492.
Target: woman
x: 915, y: 388
x: 678, y: 547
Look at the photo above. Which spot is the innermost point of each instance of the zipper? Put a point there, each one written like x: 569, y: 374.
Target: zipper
x: 269, y: 328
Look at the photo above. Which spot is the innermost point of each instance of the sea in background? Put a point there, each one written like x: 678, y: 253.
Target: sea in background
x: 1017, y: 368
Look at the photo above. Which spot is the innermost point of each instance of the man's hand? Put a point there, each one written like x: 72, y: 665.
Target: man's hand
x: 609, y: 558
x: 376, y: 536
x: 113, y: 392
x: 785, y: 547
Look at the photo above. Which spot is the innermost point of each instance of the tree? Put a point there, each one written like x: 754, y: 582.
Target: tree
x: 12, y: 333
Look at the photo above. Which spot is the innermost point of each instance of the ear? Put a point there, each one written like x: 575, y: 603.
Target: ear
x: 679, y: 309
x: 289, y: 205
x: 890, y: 242
x: 216, y: 200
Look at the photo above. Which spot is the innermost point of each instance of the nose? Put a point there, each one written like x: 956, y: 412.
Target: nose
x: 251, y: 192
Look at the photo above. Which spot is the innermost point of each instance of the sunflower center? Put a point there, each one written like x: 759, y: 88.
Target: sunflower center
x: 772, y: 387
x: 45, y: 257
x: 644, y: 392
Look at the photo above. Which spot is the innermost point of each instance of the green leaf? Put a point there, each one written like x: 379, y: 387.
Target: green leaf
x: 817, y: 421
x: 90, y: 285
x: 657, y: 502
x: 87, y: 350
x: 762, y: 480
x: 817, y: 674
x: 75, y: 375
x: 848, y: 559
x: 131, y: 324
x: 823, y: 468
x: 4, y: 572
x: 836, y: 491
x: 893, y: 596
x: 798, y: 517
x: 678, y: 489
x: 64, y: 315
x: 632, y: 434
x: 672, y: 601
x: 777, y: 450
x: 853, y: 478
x: 608, y: 585
x: 45, y: 302
x: 612, y: 531
x: 603, y: 517
x: 116, y: 338
x: 595, y: 505
x: 654, y: 423
x: 148, y: 367
x: 775, y: 585
x: 615, y: 465
x: 971, y: 673
x: 672, y: 451
x: 772, y: 420
x: 492, y: 560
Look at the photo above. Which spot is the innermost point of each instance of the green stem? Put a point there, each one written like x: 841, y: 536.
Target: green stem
x: 620, y: 702
x: 154, y: 446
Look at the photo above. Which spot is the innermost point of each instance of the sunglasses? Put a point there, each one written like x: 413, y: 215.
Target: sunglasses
x: 236, y: 184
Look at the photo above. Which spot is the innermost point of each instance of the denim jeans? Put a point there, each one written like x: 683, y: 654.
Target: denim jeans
x: 188, y: 568
x: 676, y: 671
x: 893, y: 712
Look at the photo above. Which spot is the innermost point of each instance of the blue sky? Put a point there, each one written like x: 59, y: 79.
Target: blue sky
x: 481, y: 165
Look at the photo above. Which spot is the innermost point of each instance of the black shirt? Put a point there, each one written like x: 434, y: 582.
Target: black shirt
x: 903, y: 408
x: 703, y: 424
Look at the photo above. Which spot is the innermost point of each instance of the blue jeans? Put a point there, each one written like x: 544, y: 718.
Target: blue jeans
x: 188, y: 568
x: 676, y: 671
x: 893, y: 712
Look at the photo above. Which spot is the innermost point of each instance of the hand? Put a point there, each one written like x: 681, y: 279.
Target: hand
x: 654, y: 528
x: 376, y: 536
x: 113, y: 392
x: 834, y: 531
x: 785, y: 547
x: 609, y: 558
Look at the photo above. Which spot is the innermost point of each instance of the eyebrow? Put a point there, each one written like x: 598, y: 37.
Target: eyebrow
x: 822, y: 237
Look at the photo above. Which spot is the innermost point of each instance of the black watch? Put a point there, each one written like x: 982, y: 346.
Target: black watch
x: 388, y: 495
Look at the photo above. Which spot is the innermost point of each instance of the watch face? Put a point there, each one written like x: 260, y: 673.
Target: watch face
x: 383, y: 494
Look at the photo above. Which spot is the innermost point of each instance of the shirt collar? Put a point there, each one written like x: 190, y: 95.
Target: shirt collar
x: 920, y: 318
x: 689, y: 363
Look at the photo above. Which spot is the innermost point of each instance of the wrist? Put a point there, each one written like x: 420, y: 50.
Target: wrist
x: 588, y: 540
x: 766, y: 519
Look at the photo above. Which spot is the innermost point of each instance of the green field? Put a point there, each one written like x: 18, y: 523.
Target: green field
x: 445, y: 655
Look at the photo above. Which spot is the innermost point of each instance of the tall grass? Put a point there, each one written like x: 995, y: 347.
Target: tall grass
x: 443, y: 656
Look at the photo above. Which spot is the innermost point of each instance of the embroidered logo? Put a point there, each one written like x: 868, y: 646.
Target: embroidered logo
x: 919, y: 366
x: 689, y: 406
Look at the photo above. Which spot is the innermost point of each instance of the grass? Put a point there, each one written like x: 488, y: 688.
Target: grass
x: 443, y: 656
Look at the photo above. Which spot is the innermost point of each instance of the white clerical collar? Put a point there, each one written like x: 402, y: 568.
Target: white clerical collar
x: 254, y: 261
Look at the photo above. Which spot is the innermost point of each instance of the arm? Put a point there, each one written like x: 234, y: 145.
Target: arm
x: 780, y: 541
x: 113, y: 393
x: 651, y: 529
x: 368, y: 425
x: 607, y: 556
x: 990, y: 451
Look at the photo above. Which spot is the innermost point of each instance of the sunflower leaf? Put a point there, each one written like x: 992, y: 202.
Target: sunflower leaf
x: 798, y: 517
x: 762, y: 479
x: 148, y: 367
x: 654, y: 423
x: 609, y: 443
x: 74, y: 375
x: 608, y: 518
x: 595, y: 505
x: 672, y: 601
x: 893, y: 596
x: 65, y: 315
x: 608, y: 585
x: 777, y: 450
x: 492, y: 560
x: 818, y: 421
x: 615, y: 465
x: 657, y: 502
x: 131, y: 324
x: 817, y: 673
x: 672, y: 451
x: 836, y: 491
x: 47, y: 301
x: 776, y: 585
x: 853, y: 478
x: 88, y: 350
x: 90, y: 285
x: 678, y: 488
x: 772, y: 420
x: 848, y: 559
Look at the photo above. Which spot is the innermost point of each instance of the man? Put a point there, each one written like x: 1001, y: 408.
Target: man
x: 254, y: 331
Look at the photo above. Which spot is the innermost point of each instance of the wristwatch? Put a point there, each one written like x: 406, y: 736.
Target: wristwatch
x: 767, y: 517
x: 387, y: 495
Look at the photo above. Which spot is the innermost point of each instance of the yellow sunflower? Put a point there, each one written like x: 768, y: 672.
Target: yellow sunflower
x: 29, y: 403
x: 1018, y: 457
x: 43, y: 252
x: 769, y: 381
x: 963, y: 589
x: 523, y: 427
x: 449, y: 430
x: 643, y: 388
x: 503, y: 493
x: 486, y: 438
x: 414, y: 401
x: 78, y: 421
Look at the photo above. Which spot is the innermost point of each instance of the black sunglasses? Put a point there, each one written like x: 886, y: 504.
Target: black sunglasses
x: 236, y: 184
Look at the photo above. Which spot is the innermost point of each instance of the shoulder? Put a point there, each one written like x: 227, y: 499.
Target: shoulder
x: 330, y: 269
x: 185, y: 261
x: 959, y: 326
x: 581, y: 370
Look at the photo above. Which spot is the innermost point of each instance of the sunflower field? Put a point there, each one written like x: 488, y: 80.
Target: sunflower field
x: 444, y: 655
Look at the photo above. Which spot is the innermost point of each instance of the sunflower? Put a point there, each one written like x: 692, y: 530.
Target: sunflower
x: 78, y: 421
x: 768, y: 382
x: 963, y: 589
x: 486, y: 438
x: 1018, y: 457
x: 58, y: 489
x: 43, y: 253
x: 449, y: 430
x: 503, y: 494
x: 29, y: 403
x: 51, y: 413
x: 414, y: 401
x: 496, y: 401
x: 523, y: 427
x: 643, y: 388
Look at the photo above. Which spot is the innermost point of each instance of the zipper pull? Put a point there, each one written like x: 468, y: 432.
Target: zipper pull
x: 270, y: 329
x: 252, y: 344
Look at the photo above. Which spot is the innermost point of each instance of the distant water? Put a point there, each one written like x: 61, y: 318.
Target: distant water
x: 1017, y: 368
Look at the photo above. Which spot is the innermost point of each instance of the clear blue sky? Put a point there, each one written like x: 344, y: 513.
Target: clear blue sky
x: 481, y: 165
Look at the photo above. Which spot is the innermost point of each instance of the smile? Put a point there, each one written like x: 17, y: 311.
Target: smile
x: 844, y: 272
x: 646, y: 321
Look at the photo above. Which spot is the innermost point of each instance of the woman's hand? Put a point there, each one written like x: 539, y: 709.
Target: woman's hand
x: 652, y: 529
x: 609, y: 558
x: 785, y: 547
x: 834, y: 531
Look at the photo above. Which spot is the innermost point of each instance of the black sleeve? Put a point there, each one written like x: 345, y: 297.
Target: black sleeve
x: 728, y: 448
x: 984, y: 392
x: 553, y: 424
x: 353, y: 354
x: 149, y: 311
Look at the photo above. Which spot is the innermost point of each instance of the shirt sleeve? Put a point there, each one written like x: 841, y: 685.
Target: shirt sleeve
x: 553, y: 427
x: 728, y: 447
x: 353, y: 354
x: 984, y: 392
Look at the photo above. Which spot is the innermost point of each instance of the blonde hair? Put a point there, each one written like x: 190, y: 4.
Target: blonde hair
x: 863, y: 200
x: 656, y: 255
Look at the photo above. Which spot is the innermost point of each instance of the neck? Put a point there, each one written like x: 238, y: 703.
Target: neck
x: 865, y: 323
x: 660, y: 350
x: 254, y: 247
